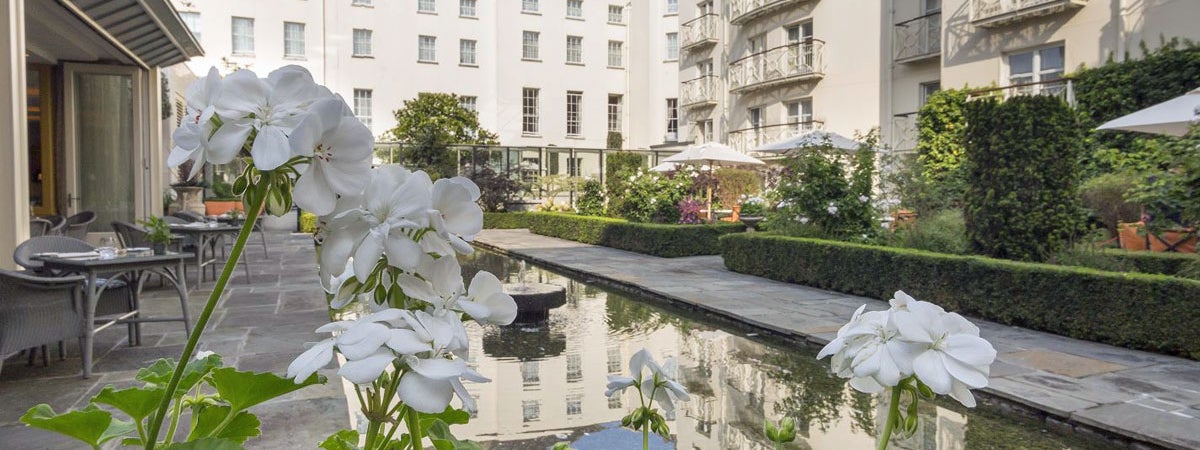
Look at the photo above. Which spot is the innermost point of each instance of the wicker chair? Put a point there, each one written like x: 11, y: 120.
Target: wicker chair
x: 37, y: 311
x: 190, y: 216
x: 118, y: 296
x: 57, y: 224
x: 77, y: 225
x: 39, y: 227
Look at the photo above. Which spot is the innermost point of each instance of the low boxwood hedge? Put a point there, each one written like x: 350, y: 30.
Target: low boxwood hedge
x: 653, y: 239
x: 1149, y: 312
x: 505, y: 220
x: 1186, y: 265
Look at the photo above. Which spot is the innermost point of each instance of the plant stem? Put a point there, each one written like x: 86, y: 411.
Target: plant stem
x: 645, y: 436
x: 892, y: 417
x: 372, y: 435
x: 413, y: 418
x: 202, y: 322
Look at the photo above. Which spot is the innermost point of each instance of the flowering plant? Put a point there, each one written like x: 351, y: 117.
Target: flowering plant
x: 659, y: 386
x: 652, y: 196
x: 752, y: 206
x: 689, y: 211
x: 388, y: 241
x: 914, y: 347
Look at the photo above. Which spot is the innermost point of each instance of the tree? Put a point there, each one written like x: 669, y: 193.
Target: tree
x: 428, y: 125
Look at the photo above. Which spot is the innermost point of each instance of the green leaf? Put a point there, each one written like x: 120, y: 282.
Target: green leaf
x: 245, y: 389
x: 439, y: 432
x: 243, y: 426
x: 91, y: 425
x: 159, y: 373
x: 205, y: 444
x: 342, y: 440
x: 136, y: 402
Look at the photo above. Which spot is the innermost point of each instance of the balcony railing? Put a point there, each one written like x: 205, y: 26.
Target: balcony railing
x: 746, y: 140
x: 699, y: 32
x: 699, y: 92
x: 1062, y: 88
x: 742, y: 11
x: 784, y: 64
x: 994, y: 13
x: 919, y: 38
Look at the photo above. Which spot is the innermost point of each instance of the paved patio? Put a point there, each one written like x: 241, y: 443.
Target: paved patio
x: 259, y: 326
x: 1144, y: 396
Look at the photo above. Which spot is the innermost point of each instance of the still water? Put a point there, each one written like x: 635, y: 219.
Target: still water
x: 549, y: 379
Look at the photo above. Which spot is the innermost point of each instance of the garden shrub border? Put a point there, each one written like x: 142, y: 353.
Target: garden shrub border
x: 664, y: 240
x: 1140, y: 311
x: 1184, y: 265
x: 505, y: 220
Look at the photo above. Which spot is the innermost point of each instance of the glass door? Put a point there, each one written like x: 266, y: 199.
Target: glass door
x: 40, y: 118
x: 104, y: 122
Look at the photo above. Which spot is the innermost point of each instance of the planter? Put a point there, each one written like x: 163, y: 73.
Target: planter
x: 159, y: 248
x: 751, y: 221
x: 219, y: 207
x: 191, y: 198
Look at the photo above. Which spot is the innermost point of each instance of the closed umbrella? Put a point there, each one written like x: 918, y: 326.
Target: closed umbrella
x: 809, y: 139
x: 1173, y: 117
x: 712, y: 153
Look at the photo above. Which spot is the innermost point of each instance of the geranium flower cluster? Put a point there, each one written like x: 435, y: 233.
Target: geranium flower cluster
x: 943, y: 350
x: 385, y: 230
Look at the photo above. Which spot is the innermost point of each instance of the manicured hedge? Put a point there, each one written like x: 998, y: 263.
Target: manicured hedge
x: 1186, y: 265
x: 505, y: 220
x: 653, y: 239
x: 1150, y: 312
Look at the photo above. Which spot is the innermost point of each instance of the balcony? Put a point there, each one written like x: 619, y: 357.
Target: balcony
x: 699, y: 92
x: 742, y: 11
x: 918, y: 39
x: 700, y: 32
x: 790, y: 63
x: 746, y: 140
x: 1062, y: 88
x: 995, y: 13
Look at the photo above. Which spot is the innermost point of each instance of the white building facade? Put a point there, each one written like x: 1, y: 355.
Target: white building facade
x: 539, y: 72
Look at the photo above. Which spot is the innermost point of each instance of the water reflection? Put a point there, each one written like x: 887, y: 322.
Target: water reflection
x: 548, y: 383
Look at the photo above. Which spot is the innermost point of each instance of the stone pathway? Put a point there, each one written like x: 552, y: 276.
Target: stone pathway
x: 259, y: 326
x: 1143, y: 396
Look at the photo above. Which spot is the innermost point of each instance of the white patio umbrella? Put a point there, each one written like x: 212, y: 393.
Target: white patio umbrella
x: 712, y: 153
x: 665, y: 167
x: 809, y: 139
x: 1173, y: 117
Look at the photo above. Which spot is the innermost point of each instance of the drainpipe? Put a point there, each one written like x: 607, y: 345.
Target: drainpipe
x: 1119, y: 22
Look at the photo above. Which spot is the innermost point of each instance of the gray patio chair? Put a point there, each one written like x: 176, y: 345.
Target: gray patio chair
x: 77, y: 225
x: 37, y: 311
x: 118, y: 296
x: 57, y: 224
x: 39, y: 227
x: 190, y: 216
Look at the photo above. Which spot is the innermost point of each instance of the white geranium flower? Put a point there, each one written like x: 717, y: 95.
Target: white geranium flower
x: 395, y: 205
x: 455, y: 212
x: 486, y: 301
x: 193, y: 139
x: 358, y: 340
x: 440, y: 284
x: 950, y: 357
x: 869, y: 352
x: 434, y: 378
x: 271, y: 107
x: 340, y: 147
x: 660, y: 382
x: 832, y: 210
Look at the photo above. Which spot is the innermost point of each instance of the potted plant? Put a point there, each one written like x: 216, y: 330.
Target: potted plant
x: 158, y: 233
x: 751, y: 211
x: 223, y: 201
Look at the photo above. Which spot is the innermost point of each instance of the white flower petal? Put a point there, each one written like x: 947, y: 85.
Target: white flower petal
x: 366, y: 370
x: 424, y: 394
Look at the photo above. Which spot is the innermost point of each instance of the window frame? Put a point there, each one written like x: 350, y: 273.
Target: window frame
x: 574, y: 51
x: 422, y: 49
x: 672, y: 50
x: 233, y: 33
x: 671, y: 8
x: 620, y: 54
x: 579, y: 11
x: 462, y: 52
x: 191, y: 19
x: 530, y: 114
x: 462, y: 8
x: 422, y: 3
x: 369, y: 43
x: 525, y: 6
x: 620, y: 10
x: 303, y: 50
x: 531, y: 40
x: 574, y: 117
x: 673, y: 117
x: 474, y: 102
x: 363, y: 105
x: 615, y: 112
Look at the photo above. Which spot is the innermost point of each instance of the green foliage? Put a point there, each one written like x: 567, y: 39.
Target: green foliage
x: 651, y: 196
x: 551, y: 186
x: 614, y: 140
x: 1148, y: 312
x: 222, y: 190
x: 1171, y: 197
x: 752, y: 207
x: 816, y: 196
x: 219, y: 422
x: 1184, y: 265
x: 428, y: 125
x: 1105, y: 196
x: 1022, y: 176
x: 618, y: 167
x: 505, y: 220
x: 941, y: 146
x: 158, y: 231
x: 495, y: 188
x: 591, y: 200
x: 308, y: 222
x: 733, y: 185
x: 943, y: 232
x: 653, y: 239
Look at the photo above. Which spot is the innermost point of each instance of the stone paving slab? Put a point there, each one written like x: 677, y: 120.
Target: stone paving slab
x: 259, y: 325
x: 1146, y: 397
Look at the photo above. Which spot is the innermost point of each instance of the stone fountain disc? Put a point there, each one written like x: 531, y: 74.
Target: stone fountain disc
x: 536, y: 296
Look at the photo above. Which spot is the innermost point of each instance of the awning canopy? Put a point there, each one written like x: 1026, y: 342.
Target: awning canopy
x: 149, y: 32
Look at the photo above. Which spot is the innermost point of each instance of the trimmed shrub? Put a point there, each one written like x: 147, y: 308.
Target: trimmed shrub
x: 505, y: 220
x: 1104, y: 195
x: 941, y: 129
x: 1148, y: 312
x: 1022, y: 176
x: 652, y: 239
x: 1184, y: 265
x: 591, y: 199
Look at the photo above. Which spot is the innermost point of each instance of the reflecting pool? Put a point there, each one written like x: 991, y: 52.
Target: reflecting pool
x: 549, y: 379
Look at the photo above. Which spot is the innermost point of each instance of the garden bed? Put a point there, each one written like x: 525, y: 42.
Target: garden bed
x: 1140, y: 311
x: 649, y: 238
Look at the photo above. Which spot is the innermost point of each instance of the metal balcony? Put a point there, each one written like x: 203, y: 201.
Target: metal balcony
x: 699, y: 92
x: 742, y: 11
x: 1062, y: 88
x: 995, y: 13
x: 918, y: 39
x: 746, y: 140
x: 780, y: 65
x: 700, y: 32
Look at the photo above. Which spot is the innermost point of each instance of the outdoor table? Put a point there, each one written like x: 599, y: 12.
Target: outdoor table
x: 204, y: 235
x: 131, y: 268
